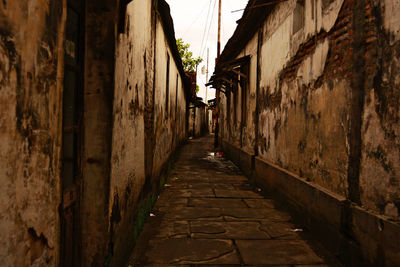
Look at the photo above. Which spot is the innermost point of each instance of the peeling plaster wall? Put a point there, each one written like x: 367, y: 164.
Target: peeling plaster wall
x: 133, y: 77
x: 301, y: 128
x: 380, y: 168
x: 145, y: 132
x: 328, y: 100
x: 133, y: 72
x: 181, y: 134
x: 31, y: 70
x: 247, y: 138
x: 165, y: 117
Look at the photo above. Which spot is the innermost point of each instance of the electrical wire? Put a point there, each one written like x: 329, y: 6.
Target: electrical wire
x: 196, y: 19
x: 205, y: 27
x: 209, y: 28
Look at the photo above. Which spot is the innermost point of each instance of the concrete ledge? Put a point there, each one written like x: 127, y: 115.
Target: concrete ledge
x: 231, y: 151
x: 309, y: 197
x: 245, y: 162
x: 354, y: 234
x: 378, y: 237
x: 239, y: 157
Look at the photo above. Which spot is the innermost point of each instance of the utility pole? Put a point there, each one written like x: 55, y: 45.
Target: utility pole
x: 217, y: 89
x: 219, y: 30
x: 208, y: 53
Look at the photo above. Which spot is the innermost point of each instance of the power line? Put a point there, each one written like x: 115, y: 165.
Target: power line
x: 202, y: 50
x: 261, y: 5
x: 205, y: 27
x: 196, y: 19
x: 209, y: 28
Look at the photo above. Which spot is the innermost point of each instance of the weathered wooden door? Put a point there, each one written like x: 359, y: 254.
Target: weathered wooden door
x: 72, y: 134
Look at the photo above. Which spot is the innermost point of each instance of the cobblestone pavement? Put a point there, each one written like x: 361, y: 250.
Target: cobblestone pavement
x: 209, y: 214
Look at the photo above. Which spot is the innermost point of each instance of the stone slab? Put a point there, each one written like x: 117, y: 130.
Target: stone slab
x: 192, y: 213
x: 198, y: 192
x: 277, y: 252
x: 173, y: 229
x: 227, y: 230
x: 216, y: 203
x: 236, y: 194
x: 234, y: 214
x: 166, y: 201
x: 260, y: 203
x: 192, y: 251
x: 281, y: 230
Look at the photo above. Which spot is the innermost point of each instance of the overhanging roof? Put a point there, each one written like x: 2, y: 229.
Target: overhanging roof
x: 227, y: 73
x: 254, y: 15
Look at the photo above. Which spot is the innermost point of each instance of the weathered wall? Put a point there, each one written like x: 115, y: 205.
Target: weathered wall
x: 301, y: 128
x: 31, y: 70
x: 181, y: 115
x: 167, y: 117
x: 239, y: 128
x: 380, y: 168
x: 126, y: 132
x: 328, y: 119
x: 200, y: 124
x: 133, y: 76
x: 100, y: 40
x: 350, y: 145
x: 146, y: 128
x: 197, y: 121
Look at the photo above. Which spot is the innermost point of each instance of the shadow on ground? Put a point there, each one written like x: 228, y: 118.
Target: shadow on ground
x: 209, y: 214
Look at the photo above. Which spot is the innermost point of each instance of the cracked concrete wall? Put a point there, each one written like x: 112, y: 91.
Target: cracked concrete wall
x: 31, y: 71
x: 380, y: 168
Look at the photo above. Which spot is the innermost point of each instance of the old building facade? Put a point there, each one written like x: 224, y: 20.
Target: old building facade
x: 93, y: 104
x: 309, y: 107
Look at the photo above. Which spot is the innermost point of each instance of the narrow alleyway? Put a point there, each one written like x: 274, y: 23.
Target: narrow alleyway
x: 209, y: 214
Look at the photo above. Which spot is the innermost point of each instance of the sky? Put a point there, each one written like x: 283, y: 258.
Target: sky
x: 196, y: 22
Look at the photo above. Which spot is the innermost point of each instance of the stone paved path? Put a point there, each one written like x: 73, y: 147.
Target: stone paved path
x: 209, y: 214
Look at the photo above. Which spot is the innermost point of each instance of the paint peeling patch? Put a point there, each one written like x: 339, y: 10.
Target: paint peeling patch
x: 38, y: 245
x: 392, y: 19
x: 116, y: 212
x: 269, y: 100
x: 330, y: 14
x: 313, y: 66
x: 380, y: 155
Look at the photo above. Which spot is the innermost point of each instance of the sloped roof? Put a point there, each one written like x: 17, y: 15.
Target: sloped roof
x: 254, y: 15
